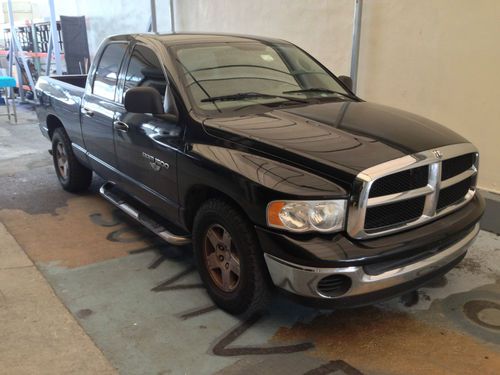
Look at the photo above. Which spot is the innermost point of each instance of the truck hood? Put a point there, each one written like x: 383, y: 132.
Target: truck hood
x: 329, y: 138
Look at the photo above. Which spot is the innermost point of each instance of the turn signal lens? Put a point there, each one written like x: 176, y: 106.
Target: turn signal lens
x: 273, y: 212
x: 304, y: 216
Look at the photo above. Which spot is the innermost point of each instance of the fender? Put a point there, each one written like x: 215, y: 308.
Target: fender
x: 250, y: 180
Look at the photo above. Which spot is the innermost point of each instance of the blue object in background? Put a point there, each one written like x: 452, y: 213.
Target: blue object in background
x: 6, y: 81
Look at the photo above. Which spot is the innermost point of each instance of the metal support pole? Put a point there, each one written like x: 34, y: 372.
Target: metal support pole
x: 35, y: 47
x: 15, y: 47
x: 154, y: 27
x: 172, y: 17
x: 12, y: 47
x: 48, y: 62
x: 356, y: 33
x: 55, y: 37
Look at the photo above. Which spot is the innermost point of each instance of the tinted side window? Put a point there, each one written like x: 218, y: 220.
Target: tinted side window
x: 144, y: 69
x: 107, y: 71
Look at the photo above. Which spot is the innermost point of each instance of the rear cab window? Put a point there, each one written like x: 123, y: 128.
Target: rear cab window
x: 106, y: 75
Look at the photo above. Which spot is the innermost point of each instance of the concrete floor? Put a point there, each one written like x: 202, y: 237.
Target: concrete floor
x: 142, y: 308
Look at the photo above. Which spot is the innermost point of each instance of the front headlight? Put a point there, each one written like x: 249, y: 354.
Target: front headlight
x: 306, y: 216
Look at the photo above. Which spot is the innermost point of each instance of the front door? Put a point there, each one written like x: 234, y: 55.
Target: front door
x: 147, y: 145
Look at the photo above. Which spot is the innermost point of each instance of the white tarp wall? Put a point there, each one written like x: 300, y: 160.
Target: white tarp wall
x: 108, y: 17
x: 439, y: 59
x: 103, y: 17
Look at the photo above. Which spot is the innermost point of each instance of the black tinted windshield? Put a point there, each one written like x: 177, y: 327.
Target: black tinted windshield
x: 217, y: 70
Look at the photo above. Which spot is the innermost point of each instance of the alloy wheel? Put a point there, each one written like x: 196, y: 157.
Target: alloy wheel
x: 62, y: 161
x: 221, y: 258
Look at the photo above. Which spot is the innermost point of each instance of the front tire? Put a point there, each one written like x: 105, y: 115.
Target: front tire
x: 229, y: 258
x: 73, y: 176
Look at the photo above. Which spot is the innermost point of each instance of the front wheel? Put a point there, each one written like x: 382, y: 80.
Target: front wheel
x: 72, y: 175
x: 229, y: 258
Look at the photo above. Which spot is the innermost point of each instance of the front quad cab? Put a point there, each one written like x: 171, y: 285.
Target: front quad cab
x: 279, y: 176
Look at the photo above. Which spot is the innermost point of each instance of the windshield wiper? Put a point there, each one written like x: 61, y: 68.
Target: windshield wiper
x: 318, y: 89
x: 248, y: 95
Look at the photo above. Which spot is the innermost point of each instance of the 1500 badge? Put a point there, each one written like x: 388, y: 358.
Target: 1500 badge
x: 155, y: 163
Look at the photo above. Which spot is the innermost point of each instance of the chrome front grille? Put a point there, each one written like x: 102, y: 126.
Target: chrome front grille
x: 412, y: 190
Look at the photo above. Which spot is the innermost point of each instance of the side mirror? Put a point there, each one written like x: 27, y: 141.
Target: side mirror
x: 346, y: 81
x: 144, y: 100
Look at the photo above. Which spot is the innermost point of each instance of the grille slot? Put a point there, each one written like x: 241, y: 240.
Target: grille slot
x: 455, y: 166
x: 394, y: 213
x: 409, y: 179
x: 454, y: 193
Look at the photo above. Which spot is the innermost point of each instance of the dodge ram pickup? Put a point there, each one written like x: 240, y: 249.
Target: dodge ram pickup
x: 267, y: 165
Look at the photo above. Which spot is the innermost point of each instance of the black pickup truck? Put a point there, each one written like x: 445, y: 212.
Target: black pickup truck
x: 275, y: 172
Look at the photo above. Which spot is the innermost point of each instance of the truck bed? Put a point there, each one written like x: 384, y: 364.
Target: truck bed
x: 64, y: 94
x: 73, y: 79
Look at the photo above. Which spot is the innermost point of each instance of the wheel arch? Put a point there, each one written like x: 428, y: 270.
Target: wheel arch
x: 200, y: 193
x: 53, y: 122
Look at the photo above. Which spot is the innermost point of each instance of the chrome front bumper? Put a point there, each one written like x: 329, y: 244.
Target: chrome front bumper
x: 303, y: 281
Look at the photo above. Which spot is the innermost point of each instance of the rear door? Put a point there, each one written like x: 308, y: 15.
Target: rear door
x: 147, y: 145
x: 99, y: 106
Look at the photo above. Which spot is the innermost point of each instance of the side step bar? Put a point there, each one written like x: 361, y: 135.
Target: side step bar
x: 133, y: 212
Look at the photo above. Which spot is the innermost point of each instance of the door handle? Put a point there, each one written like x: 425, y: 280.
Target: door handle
x: 87, y: 112
x: 120, y: 126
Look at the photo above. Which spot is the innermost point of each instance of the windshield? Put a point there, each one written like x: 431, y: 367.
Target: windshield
x: 230, y: 76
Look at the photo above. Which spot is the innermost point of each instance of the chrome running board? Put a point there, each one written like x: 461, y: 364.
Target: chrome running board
x: 142, y: 218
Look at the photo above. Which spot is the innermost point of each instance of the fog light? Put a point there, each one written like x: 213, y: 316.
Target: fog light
x: 334, y: 285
